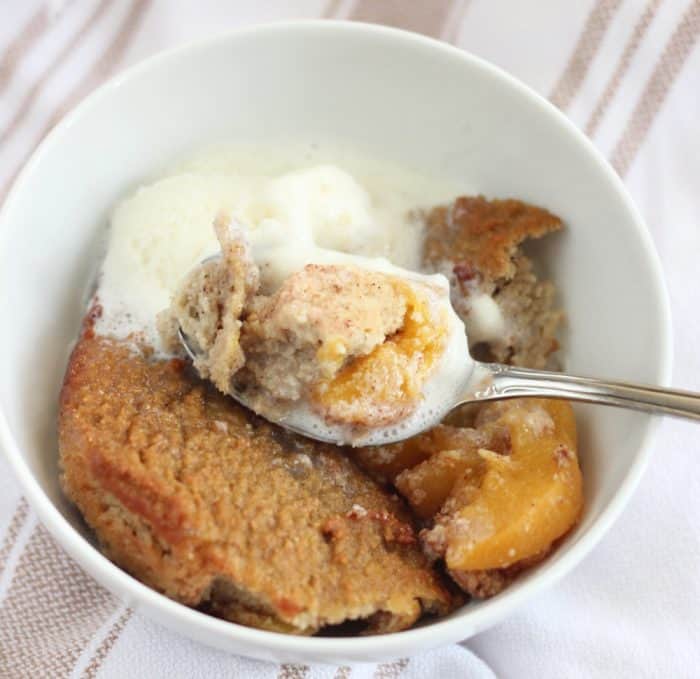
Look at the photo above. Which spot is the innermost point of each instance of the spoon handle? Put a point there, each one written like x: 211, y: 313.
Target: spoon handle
x: 505, y: 381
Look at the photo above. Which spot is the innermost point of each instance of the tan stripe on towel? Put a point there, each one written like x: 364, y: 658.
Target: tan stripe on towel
x: 586, y: 48
x: 51, y: 611
x: 391, y: 670
x: 106, y: 646
x: 293, y: 671
x: 16, y: 523
x: 623, y: 65
x: 24, y: 41
x: 107, y: 61
x: 651, y: 100
x: 428, y: 18
x: 62, y: 640
x: 331, y: 9
x: 97, y: 74
x: 453, y: 25
x: 35, y: 90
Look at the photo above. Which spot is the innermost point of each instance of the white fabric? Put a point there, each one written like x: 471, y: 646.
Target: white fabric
x: 633, y: 607
x: 144, y: 650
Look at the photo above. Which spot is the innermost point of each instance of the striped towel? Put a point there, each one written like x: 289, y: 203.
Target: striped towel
x: 628, y: 73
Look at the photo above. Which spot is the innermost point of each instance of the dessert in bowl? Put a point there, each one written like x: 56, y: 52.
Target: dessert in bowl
x: 479, y: 132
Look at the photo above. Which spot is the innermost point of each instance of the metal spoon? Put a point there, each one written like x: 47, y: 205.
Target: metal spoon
x: 493, y: 381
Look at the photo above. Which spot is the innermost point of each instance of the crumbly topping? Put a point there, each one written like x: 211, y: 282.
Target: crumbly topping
x: 475, y: 243
x: 209, y: 304
x: 320, y: 319
x: 481, y: 236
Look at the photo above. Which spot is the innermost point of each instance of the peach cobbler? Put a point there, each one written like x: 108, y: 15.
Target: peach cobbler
x: 323, y: 300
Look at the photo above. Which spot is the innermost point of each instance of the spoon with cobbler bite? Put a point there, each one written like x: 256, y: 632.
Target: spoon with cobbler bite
x: 353, y: 350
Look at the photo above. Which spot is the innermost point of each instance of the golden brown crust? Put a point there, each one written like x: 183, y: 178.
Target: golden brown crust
x: 215, y: 508
x: 483, y: 235
x: 476, y: 244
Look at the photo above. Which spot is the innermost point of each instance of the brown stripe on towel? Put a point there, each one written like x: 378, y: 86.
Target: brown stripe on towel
x: 50, y: 612
x: 453, y: 25
x: 107, y: 61
x: 16, y: 523
x: 99, y: 72
x: 331, y: 9
x: 293, y: 671
x: 391, y: 670
x: 106, y: 646
x: 428, y: 18
x: 623, y: 65
x: 22, y: 44
x: 584, y: 52
x: 35, y: 90
x: 675, y: 54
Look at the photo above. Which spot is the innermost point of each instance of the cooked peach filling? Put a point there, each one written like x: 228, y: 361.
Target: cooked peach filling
x: 392, y: 375
x: 331, y: 355
x: 506, y: 508
x: 500, y: 492
x: 428, y: 484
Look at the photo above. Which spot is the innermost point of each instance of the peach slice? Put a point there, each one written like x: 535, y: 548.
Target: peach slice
x: 387, y: 462
x: 521, y: 502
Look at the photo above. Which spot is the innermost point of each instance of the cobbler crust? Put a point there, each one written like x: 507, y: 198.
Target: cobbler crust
x: 476, y: 243
x: 484, y: 234
x: 208, y: 504
x: 215, y: 508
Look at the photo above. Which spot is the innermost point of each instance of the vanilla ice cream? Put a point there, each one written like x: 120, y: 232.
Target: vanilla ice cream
x: 294, y: 211
x: 293, y: 216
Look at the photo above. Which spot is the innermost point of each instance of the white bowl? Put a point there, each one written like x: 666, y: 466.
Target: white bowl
x: 404, y: 98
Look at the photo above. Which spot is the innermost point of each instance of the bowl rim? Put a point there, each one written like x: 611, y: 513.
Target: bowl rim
x: 436, y: 633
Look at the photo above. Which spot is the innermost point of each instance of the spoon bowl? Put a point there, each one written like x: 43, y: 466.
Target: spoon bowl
x: 484, y: 382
